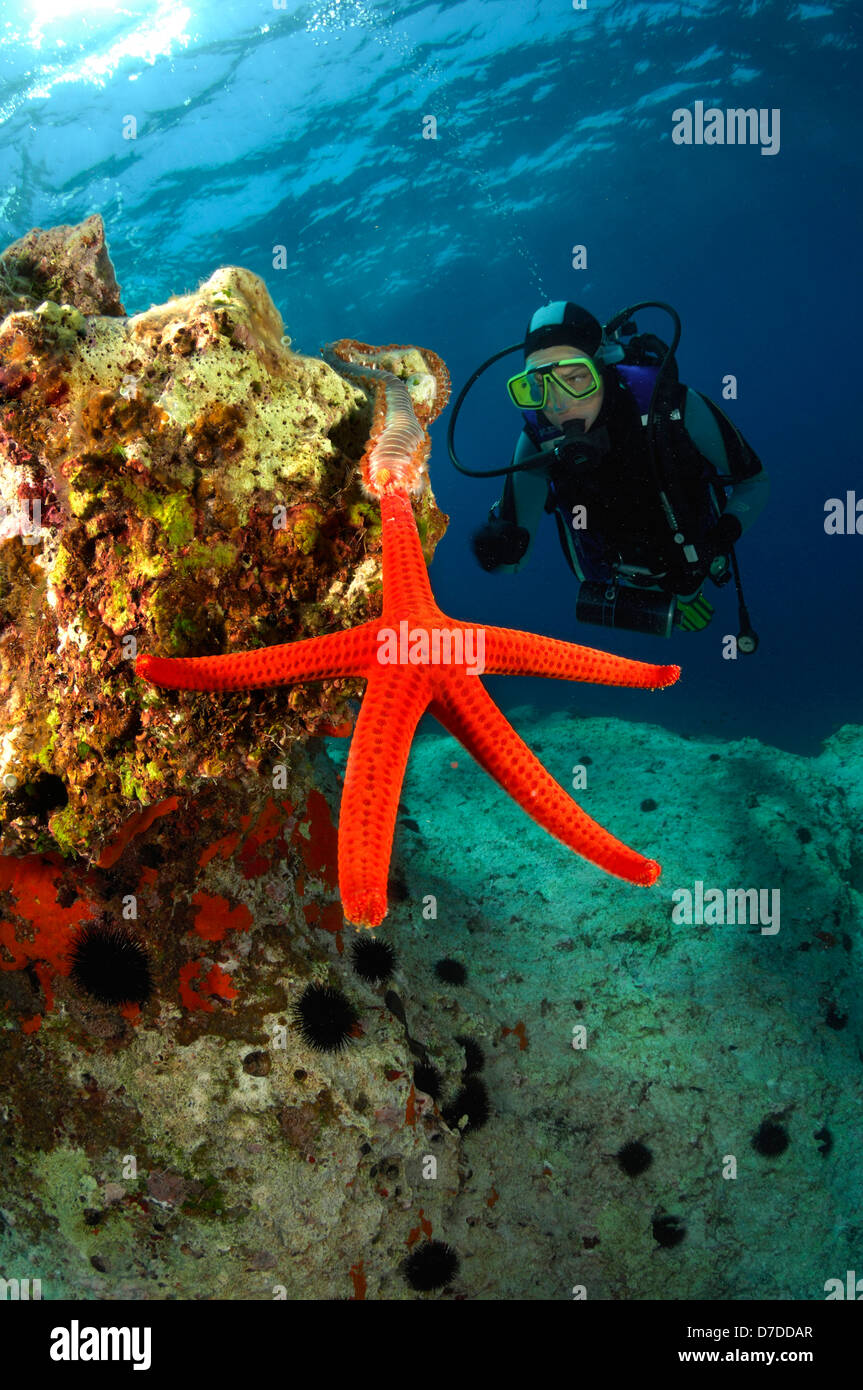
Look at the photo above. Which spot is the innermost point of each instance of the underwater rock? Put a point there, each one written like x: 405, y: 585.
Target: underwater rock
x: 66, y: 265
x: 607, y: 1021
x: 181, y: 482
x: 197, y: 1145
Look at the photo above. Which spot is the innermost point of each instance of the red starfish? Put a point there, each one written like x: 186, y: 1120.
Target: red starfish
x: 412, y: 629
x: 398, y: 694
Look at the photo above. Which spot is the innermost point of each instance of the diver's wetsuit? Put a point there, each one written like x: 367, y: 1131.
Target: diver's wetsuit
x: 627, y: 528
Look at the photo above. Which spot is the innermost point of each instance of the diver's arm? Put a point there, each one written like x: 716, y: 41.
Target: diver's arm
x: 513, y: 519
x: 748, y: 500
x: 721, y: 442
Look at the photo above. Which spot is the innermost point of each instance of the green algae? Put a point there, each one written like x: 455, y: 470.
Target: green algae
x: 45, y: 756
x: 66, y: 829
x: 366, y: 514
x: 117, y: 613
x: 220, y: 556
x: 176, y: 516
x: 184, y: 631
x: 306, y: 529
x: 174, y: 512
x: 68, y: 1187
x: 130, y: 785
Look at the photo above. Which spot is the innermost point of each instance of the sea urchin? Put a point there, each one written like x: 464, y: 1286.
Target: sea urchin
x: 325, y: 1017
x: 474, y: 1057
x: 427, y: 1078
x: 110, y: 964
x: 433, y: 1265
x: 634, y: 1158
x: 472, y: 1101
x: 373, y: 960
x: 452, y: 972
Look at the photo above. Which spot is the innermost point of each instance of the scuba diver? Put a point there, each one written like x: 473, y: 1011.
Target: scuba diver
x: 634, y: 466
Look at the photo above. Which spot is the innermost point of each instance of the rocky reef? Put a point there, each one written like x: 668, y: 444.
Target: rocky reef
x: 179, y: 481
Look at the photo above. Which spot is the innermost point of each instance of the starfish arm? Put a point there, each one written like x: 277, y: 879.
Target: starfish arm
x: 407, y: 588
x: 476, y: 721
x: 314, y: 659
x: 392, y: 706
x: 512, y: 653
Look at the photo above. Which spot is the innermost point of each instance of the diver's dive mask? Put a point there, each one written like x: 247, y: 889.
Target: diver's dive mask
x: 575, y: 376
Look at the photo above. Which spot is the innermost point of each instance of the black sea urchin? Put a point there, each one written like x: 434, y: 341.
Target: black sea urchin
x: 770, y: 1139
x: 474, y: 1057
x: 325, y: 1018
x: 427, y: 1078
x: 373, y: 960
x: 433, y: 1265
x: 452, y: 972
x: 110, y: 964
x: 668, y: 1231
x: 472, y: 1101
x: 634, y: 1158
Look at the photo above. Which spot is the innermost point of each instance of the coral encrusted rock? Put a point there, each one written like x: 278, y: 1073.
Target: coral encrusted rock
x: 180, y: 481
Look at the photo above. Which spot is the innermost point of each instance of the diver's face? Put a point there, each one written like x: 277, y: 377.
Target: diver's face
x: 560, y: 407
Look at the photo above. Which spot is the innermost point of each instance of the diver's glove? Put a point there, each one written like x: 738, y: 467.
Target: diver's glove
x: 719, y: 541
x: 499, y: 543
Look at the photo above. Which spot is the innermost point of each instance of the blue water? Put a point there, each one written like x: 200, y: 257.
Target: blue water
x: 302, y: 126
